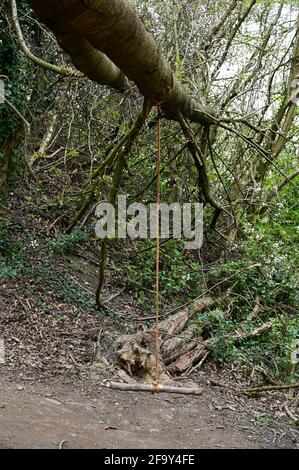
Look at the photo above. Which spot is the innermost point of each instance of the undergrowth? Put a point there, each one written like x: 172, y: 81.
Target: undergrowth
x: 260, y: 268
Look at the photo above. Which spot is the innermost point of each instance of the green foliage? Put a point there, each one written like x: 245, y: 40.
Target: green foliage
x: 267, y: 267
x: 40, y: 271
x: 272, y: 350
x: 4, y: 237
x: 66, y: 244
x: 179, y: 275
x: 15, y: 68
x: 7, y: 271
x: 57, y: 283
x: 262, y: 419
x: 13, y: 256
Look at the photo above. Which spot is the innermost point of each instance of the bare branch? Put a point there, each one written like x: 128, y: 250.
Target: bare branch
x: 42, y: 63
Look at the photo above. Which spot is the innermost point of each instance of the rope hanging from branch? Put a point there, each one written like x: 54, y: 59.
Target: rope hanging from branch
x: 156, y: 387
x: 158, y: 201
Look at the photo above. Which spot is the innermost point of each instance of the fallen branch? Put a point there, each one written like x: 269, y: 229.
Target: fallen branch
x: 114, y: 296
x: 267, y: 377
x: 198, y: 366
x: 177, y: 322
x: 290, y: 414
x: 251, y: 334
x: 172, y: 348
x: 268, y: 388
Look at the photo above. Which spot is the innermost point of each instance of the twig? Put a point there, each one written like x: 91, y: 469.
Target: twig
x: 17, y: 112
x: 198, y: 366
x: 290, y: 414
x: 73, y: 359
x: 114, y: 296
x: 61, y: 444
x: 266, y: 375
x: 251, y: 334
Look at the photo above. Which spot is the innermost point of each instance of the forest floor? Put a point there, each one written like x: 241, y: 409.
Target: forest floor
x: 76, y: 414
x: 51, y: 391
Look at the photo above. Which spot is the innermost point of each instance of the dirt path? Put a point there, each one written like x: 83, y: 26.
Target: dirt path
x: 49, y: 387
x: 39, y: 416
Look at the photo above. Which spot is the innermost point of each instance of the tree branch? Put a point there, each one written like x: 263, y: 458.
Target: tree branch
x: 42, y: 63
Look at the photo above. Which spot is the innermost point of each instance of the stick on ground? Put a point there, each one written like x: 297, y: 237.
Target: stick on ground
x: 154, y: 388
x: 269, y: 388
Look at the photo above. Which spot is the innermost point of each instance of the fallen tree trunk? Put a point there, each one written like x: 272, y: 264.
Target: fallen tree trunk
x: 180, y: 355
x: 266, y: 388
x: 186, y: 360
x: 136, y: 355
x: 114, y: 29
x: 173, y: 347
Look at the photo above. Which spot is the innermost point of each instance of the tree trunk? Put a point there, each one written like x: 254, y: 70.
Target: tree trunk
x: 115, y: 29
x: 4, y: 165
x: 284, y: 118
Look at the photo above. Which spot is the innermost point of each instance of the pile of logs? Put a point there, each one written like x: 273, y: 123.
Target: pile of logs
x: 181, y: 348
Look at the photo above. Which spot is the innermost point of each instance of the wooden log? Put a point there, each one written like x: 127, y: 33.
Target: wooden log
x: 176, y: 346
x: 186, y: 360
x: 186, y: 347
x: 176, y: 323
x: 136, y: 353
x: 154, y: 388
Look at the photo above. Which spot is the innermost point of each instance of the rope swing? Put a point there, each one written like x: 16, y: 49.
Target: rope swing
x: 156, y: 387
x: 158, y: 202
